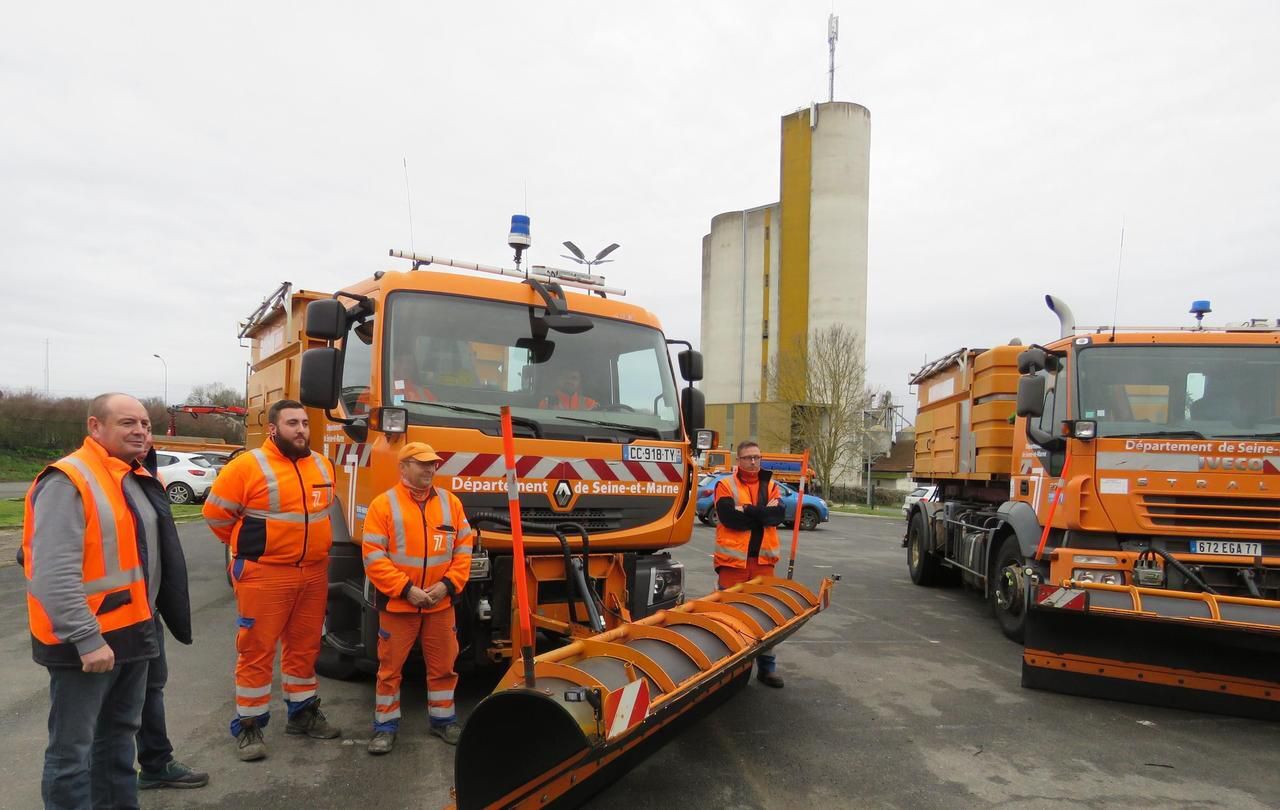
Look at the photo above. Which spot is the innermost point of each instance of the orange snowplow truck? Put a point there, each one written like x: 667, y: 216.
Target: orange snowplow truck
x: 1115, y: 494
x: 605, y: 484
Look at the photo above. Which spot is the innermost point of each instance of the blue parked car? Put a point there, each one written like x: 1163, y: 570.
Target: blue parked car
x: 815, y: 509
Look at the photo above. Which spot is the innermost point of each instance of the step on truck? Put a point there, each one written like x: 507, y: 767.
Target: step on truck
x: 1115, y: 495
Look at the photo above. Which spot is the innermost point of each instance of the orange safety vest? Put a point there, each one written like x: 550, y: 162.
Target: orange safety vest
x: 272, y: 509
x: 406, y: 543
x: 115, y: 585
x: 732, y: 545
x: 568, y: 402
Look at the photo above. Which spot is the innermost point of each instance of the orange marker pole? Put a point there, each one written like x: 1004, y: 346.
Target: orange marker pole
x: 517, y: 544
x: 795, y: 519
x: 1053, y: 505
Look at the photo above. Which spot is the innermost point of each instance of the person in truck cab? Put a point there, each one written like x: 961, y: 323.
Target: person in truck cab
x: 568, y: 395
x: 417, y: 555
x: 272, y: 506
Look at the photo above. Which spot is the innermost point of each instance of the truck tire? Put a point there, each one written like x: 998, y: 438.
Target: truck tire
x: 924, y: 567
x: 334, y: 665
x: 1006, y: 585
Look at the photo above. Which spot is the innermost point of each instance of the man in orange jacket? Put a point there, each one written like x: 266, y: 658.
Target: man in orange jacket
x: 272, y: 506
x: 749, y: 505
x: 417, y: 554
x: 102, y: 557
x: 568, y: 395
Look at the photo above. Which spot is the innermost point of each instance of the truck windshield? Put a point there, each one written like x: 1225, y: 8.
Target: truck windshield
x: 613, y: 381
x: 1212, y: 391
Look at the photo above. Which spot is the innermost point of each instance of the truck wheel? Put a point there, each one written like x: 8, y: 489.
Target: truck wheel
x: 1007, y: 589
x: 808, y: 519
x: 924, y: 567
x: 334, y: 665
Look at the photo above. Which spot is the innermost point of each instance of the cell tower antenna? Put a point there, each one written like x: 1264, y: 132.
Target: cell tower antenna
x: 409, y: 197
x: 833, y: 33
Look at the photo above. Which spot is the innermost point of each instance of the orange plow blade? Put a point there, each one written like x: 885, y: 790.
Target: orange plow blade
x: 601, y: 705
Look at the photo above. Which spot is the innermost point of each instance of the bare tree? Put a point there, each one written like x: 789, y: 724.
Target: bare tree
x: 216, y: 393
x: 825, y: 380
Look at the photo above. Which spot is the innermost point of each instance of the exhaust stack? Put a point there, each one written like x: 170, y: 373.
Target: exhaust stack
x: 1066, y: 319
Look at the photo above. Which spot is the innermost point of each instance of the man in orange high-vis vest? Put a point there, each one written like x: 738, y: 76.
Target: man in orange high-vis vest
x: 102, y: 556
x: 749, y: 506
x: 272, y: 506
x: 568, y: 395
x: 417, y: 555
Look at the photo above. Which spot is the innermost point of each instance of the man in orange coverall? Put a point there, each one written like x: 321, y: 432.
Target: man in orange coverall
x: 272, y: 506
x: 749, y: 506
x: 417, y: 554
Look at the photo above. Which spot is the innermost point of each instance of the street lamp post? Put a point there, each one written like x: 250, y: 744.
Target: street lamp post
x: 581, y: 258
x: 166, y: 378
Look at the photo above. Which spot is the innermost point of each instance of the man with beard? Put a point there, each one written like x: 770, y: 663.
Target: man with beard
x: 272, y: 506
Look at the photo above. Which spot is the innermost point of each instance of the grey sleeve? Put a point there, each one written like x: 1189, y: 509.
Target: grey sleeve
x: 57, y: 563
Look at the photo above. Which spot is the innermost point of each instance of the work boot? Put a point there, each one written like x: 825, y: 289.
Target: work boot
x: 449, y: 733
x: 251, y: 744
x: 309, y: 720
x: 382, y: 742
x: 175, y: 775
x: 770, y: 679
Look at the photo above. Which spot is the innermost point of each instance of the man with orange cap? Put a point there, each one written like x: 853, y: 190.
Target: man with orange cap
x: 417, y: 555
x: 272, y: 506
x: 749, y: 505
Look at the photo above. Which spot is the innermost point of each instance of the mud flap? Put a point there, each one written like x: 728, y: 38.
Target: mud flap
x: 1177, y: 664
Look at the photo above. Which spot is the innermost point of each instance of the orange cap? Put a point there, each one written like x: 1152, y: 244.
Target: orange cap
x: 418, y: 451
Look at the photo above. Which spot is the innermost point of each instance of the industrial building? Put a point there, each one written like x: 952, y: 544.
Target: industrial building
x: 773, y: 274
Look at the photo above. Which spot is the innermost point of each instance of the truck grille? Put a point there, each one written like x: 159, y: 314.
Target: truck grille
x: 1212, y: 512
x: 593, y: 520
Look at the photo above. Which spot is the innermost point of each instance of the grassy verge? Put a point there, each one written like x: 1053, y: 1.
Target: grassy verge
x: 11, y: 513
x: 860, y: 509
x: 25, y: 463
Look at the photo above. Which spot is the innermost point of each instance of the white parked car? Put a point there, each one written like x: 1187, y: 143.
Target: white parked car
x: 187, y: 477
x: 924, y: 493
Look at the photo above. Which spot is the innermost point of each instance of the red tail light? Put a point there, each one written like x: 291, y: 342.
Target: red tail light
x: 702, y: 493
x: 196, y: 472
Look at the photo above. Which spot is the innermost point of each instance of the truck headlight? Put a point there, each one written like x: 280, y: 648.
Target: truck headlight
x: 668, y: 584
x: 1094, y: 575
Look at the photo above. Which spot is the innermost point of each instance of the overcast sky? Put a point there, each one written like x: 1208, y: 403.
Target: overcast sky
x: 164, y: 166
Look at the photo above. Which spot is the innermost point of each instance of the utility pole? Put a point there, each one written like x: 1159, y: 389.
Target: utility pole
x: 166, y: 378
x: 46, y: 367
x: 833, y: 33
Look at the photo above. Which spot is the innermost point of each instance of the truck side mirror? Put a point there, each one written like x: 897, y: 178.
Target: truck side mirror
x: 690, y: 365
x: 693, y: 405
x: 1030, y: 395
x: 321, y: 375
x: 1037, y: 359
x: 326, y: 319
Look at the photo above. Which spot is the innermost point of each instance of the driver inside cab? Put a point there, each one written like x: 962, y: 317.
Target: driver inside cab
x: 568, y: 395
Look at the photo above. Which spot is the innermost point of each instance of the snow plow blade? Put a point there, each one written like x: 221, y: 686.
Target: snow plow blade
x: 600, y: 705
x: 1198, y: 652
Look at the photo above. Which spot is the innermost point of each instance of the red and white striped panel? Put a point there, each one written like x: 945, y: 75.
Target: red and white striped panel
x: 489, y: 465
x: 1051, y: 596
x: 626, y: 707
x: 343, y: 454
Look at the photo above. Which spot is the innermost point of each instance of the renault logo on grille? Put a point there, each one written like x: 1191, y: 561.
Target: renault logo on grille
x: 563, y: 493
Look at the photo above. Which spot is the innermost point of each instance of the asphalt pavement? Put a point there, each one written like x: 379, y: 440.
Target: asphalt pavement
x: 897, y: 696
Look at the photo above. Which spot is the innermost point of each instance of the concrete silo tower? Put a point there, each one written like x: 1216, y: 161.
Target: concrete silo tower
x: 773, y: 275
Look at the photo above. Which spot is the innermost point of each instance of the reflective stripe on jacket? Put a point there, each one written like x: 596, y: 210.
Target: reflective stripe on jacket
x: 272, y: 509
x: 732, y: 545
x: 112, y: 567
x: 410, y: 544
